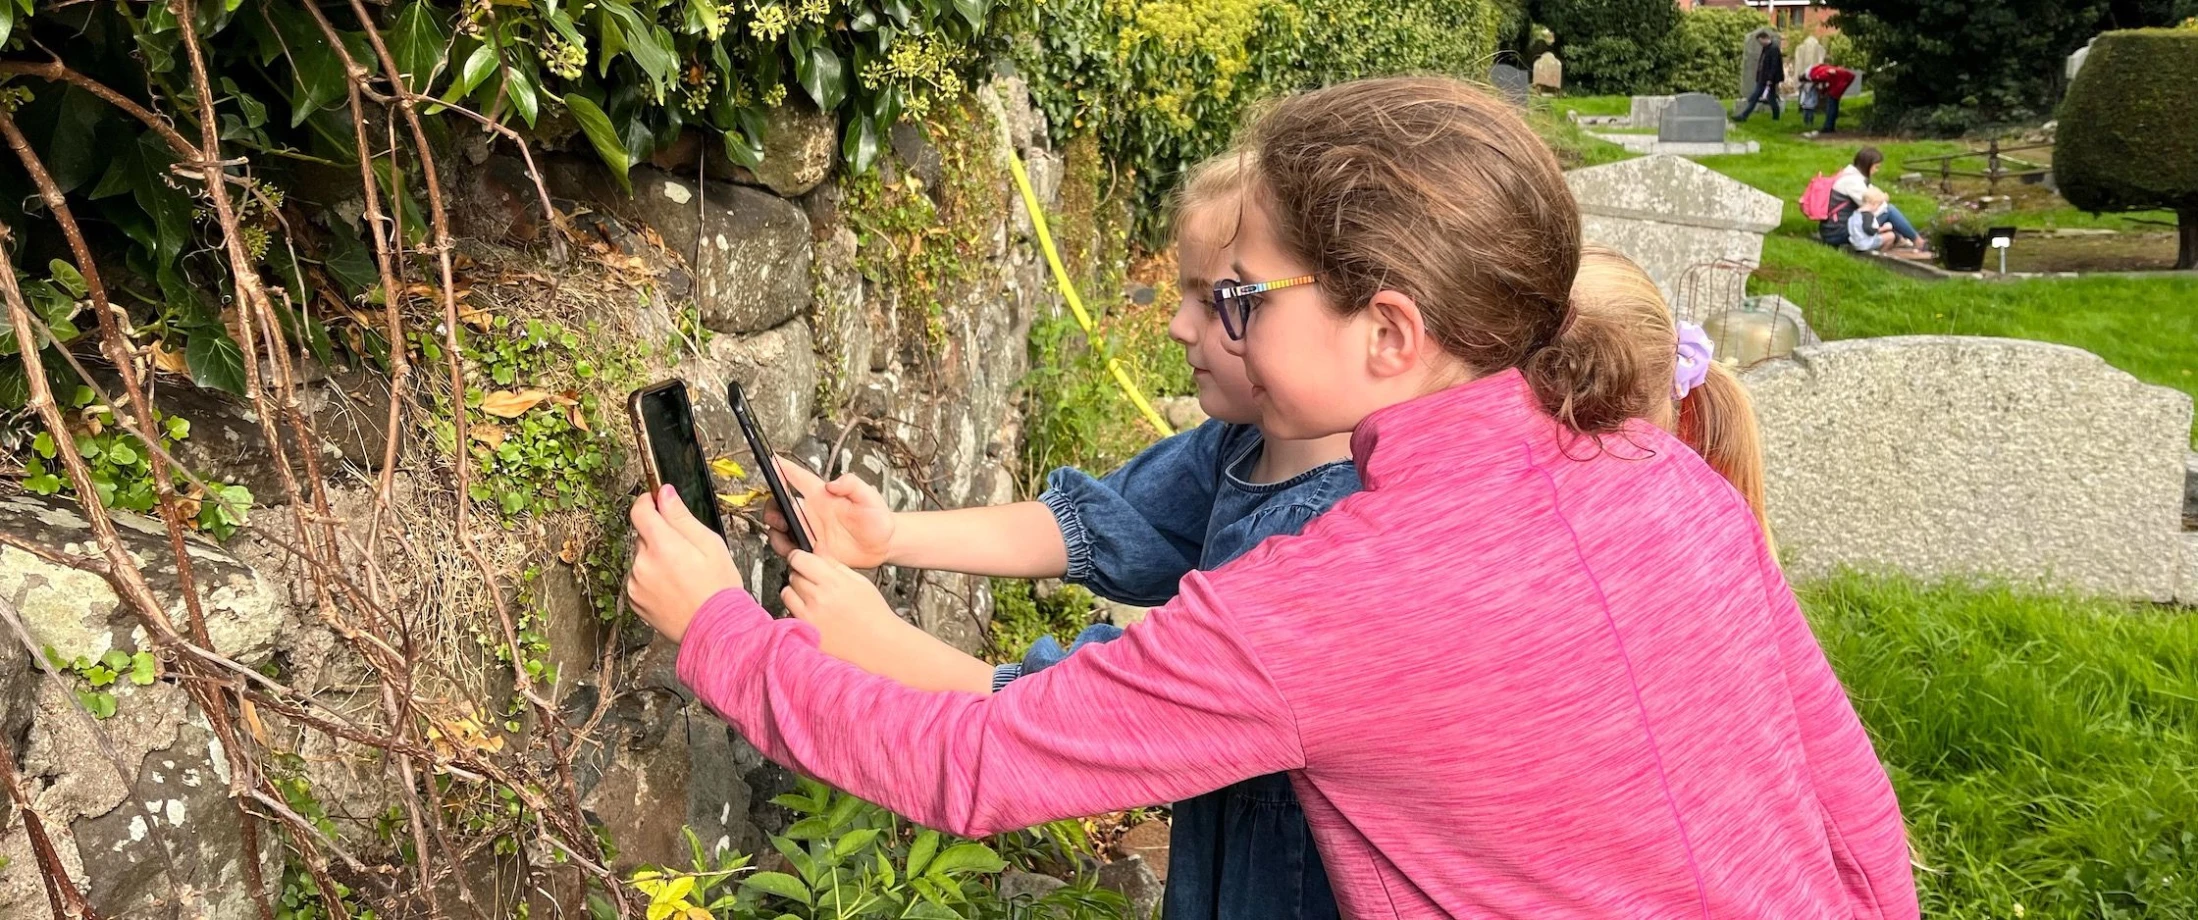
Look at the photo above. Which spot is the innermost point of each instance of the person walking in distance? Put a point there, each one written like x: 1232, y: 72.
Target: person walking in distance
x: 1770, y: 70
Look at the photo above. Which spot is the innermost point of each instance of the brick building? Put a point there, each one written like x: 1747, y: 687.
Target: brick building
x: 1782, y: 14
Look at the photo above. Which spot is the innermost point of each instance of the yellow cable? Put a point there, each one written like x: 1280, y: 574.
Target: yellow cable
x: 1068, y: 293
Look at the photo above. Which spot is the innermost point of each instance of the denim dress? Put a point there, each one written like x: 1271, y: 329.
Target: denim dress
x: 1244, y: 852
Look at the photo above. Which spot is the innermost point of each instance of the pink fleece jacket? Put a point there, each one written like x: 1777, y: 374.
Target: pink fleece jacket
x: 1517, y: 676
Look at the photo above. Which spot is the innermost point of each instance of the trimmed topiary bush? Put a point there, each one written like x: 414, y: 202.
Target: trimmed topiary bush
x: 1708, y: 52
x: 2129, y: 129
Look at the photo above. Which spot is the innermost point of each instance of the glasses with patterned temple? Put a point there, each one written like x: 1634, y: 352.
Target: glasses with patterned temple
x: 1234, y: 300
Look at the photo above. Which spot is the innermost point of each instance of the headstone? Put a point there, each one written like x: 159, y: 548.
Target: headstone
x: 1549, y: 73
x: 1647, y: 111
x: 1510, y: 83
x: 1950, y: 457
x: 1807, y: 55
x: 1855, y: 89
x: 1693, y: 118
x: 1671, y: 214
x: 1751, y: 53
x: 2076, y: 61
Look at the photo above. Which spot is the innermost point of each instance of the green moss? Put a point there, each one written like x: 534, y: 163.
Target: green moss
x: 1020, y: 616
x: 929, y: 245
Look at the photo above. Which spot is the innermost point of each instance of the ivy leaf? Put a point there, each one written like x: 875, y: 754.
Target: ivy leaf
x: 65, y: 274
x: 72, y: 153
x: 597, y: 126
x: 141, y: 669
x: 525, y: 94
x: 317, y: 74
x: 478, y: 66
x: 647, y: 43
x: 823, y: 76
x: 416, y: 40
x: 741, y: 149
x: 216, y: 361
x: 7, y: 21
x: 44, y: 445
x: 115, y: 659
x: 778, y: 883
x: 973, y: 12
x: 860, y: 148
x: 141, y: 168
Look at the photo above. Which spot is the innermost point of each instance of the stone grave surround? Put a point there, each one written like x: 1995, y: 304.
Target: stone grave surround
x: 1671, y: 214
x: 773, y: 273
x: 1946, y: 456
x: 1692, y: 118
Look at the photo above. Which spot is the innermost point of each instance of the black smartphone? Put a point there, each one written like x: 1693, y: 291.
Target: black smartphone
x: 664, y: 421
x: 796, y: 524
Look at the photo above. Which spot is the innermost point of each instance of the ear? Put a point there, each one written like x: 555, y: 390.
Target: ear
x: 1397, y: 338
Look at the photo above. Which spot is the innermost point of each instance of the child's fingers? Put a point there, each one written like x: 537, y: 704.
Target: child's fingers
x: 852, y: 488
x: 809, y: 484
x: 796, y: 605
x: 808, y: 565
x: 780, y: 543
x: 648, y: 521
x: 683, y: 521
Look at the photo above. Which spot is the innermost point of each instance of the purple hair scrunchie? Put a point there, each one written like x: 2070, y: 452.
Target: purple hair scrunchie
x: 1693, y: 366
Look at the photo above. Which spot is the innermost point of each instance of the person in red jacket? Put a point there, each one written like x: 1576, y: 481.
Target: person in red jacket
x: 1832, y: 82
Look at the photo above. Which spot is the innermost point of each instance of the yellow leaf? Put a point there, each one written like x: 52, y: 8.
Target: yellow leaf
x: 727, y: 468
x: 170, y: 361
x: 658, y: 910
x: 507, y: 404
x: 679, y: 888
x: 743, y: 500
x: 697, y: 913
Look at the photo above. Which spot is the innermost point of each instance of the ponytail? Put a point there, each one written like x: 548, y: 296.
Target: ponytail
x: 1717, y: 419
x: 1596, y: 375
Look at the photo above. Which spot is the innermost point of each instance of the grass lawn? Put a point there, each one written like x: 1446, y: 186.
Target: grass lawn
x: 2147, y: 326
x: 2045, y: 749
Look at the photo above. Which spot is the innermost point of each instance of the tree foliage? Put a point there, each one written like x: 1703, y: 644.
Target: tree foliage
x: 1619, y: 47
x: 2127, y: 140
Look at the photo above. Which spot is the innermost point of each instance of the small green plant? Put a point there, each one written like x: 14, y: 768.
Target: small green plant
x: 1020, y: 616
x: 100, y: 676
x: 851, y: 860
x: 533, y: 450
x: 122, y: 468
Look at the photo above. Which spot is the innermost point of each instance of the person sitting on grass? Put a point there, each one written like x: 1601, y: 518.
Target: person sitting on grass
x: 1869, y: 231
x: 1849, y: 187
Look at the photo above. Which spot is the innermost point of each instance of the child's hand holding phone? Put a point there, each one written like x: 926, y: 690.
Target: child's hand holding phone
x: 849, y: 521
x: 678, y: 563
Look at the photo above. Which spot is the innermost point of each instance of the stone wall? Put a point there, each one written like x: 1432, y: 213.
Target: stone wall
x: 840, y: 377
x: 1941, y: 456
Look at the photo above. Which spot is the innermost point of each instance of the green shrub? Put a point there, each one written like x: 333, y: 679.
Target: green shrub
x: 1164, y: 84
x: 1708, y: 53
x: 1614, y: 47
x: 2128, y: 140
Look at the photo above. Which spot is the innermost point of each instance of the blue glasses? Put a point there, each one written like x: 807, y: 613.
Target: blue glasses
x: 1234, y: 300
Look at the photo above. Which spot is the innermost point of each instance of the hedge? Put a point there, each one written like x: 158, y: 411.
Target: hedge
x: 1165, y: 83
x: 2127, y: 139
x: 1709, y: 41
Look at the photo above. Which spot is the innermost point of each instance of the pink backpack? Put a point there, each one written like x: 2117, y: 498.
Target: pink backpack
x: 1816, y: 200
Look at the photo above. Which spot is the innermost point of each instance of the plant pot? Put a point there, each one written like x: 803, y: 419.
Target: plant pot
x: 1962, y: 252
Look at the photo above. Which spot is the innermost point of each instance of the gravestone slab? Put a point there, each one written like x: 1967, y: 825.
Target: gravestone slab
x: 1855, y: 89
x: 1947, y: 457
x: 1671, y: 214
x: 1693, y: 118
x: 1647, y: 111
x: 1751, y: 53
x: 2076, y: 60
x: 1510, y: 83
x: 1549, y: 72
x: 1807, y: 55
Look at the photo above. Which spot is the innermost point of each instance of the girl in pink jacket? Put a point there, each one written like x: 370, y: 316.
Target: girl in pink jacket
x: 1542, y: 666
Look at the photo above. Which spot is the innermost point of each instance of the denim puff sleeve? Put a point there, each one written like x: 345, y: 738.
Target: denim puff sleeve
x: 1133, y: 534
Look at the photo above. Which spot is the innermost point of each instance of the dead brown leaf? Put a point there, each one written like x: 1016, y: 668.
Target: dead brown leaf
x: 170, y: 361
x: 570, y: 554
x: 491, y: 435
x: 508, y: 404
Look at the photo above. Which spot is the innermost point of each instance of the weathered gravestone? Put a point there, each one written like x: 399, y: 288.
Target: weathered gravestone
x: 1693, y: 118
x: 1647, y: 111
x: 1807, y: 55
x: 1510, y: 83
x: 1671, y: 214
x: 1946, y: 456
x: 1549, y: 73
x: 2076, y: 60
x: 1751, y: 53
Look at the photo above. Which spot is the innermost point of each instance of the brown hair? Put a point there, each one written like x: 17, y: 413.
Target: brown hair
x: 1620, y: 302
x: 1437, y: 190
x: 1211, y: 182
